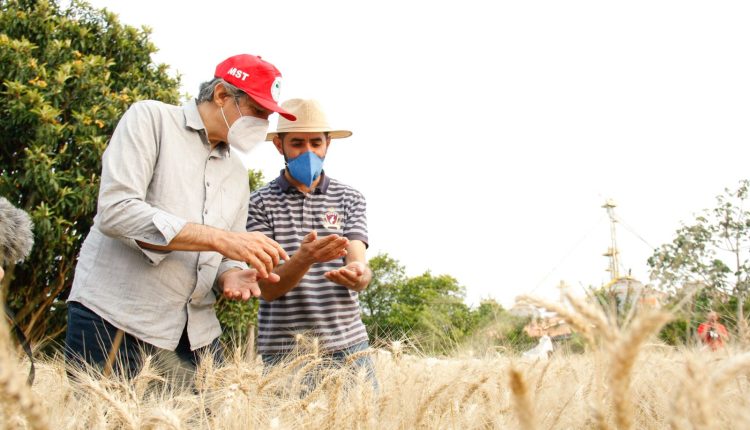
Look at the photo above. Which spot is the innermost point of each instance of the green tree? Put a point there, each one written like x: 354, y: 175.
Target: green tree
x: 427, y: 309
x: 713, y: 251
x: 377, y: 300
x: 68, y: 74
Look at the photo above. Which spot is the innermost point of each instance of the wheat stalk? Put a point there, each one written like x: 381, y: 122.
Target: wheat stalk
x: 521, y: 400
x: 579, y: 323
x: 117, y: 406
x: 161, y: 418
x: 424, y: 406
x: 623, y: 358
x: 594, y: 315
x: 13, y: 388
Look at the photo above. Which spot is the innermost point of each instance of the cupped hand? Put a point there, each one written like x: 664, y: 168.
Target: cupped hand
x: 243, y: 284
x: 354, y: 276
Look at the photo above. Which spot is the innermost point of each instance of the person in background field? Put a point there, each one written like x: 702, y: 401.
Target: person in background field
x: 321, y: 223
x: 170, y: 225
x: 713, y: 333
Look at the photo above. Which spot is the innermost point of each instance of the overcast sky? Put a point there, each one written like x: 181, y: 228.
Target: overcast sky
x: 487, y: 135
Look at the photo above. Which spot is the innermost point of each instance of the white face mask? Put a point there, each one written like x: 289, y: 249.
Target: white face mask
x: 247, y: 132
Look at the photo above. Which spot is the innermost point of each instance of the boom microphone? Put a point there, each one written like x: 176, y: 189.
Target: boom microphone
x: 16, y: 237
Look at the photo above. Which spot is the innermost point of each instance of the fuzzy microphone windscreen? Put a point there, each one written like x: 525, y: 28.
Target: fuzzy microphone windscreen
x: 16, y: 236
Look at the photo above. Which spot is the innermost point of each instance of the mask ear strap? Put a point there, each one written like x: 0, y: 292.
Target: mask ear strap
x: 221, y: 109
x: 286, y: 159
x: 237, y: 104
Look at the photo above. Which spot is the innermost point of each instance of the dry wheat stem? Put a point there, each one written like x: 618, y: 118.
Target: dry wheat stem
x: 333, y: 402
x: 523, y: 406
x: 13, y: 387
x: 623, y: 358
x: 580, y: 324
x: 161, y: 418
x: 540, y: 380
x: 357, y: 355
x: 425, y: 405
x: 594, y: 315
x: 473, y: 388
x: 117, y: 406
x: 281, y: 369
x: 729, y: 370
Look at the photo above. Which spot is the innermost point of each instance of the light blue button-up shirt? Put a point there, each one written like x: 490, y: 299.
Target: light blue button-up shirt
x: 159, y: 173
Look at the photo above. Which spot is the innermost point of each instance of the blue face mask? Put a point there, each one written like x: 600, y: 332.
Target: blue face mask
x: 305, y: 168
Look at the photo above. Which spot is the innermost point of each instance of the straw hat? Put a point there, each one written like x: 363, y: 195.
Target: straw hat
x: 310, y: 118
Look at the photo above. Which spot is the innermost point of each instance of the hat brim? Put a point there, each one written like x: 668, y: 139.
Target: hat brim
x: 272, y: 106
x: 333, y: 134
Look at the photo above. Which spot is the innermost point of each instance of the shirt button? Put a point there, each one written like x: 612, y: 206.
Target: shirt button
x: 205, y: 212
x: 200, y: 268
x: 208, y: 184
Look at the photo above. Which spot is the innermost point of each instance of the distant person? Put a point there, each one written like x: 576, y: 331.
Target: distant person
x: 713, y: 333
x: 542, y: 351
x: 322, y: 225
x: 170, y: 225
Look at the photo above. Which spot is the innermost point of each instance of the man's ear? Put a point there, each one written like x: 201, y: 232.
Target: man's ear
x: 220, y: 94
x: 278, y: 144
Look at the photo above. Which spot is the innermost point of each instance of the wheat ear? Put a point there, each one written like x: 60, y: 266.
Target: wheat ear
x: 424, y: 406
x: 117, y: 406
x: 580, y: 324
x: 522, y: 400
x: 623, y: 358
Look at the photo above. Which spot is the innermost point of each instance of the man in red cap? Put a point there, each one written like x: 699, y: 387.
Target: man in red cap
x: 169, y: 233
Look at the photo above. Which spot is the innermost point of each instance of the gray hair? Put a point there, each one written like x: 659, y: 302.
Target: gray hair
x: 206, y: 92
x: 16, y: 237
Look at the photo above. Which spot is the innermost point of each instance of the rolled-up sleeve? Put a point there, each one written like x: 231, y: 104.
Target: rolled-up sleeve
x: 127, y: 169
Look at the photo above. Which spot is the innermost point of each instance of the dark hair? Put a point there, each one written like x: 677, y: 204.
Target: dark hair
x: 283, y: 135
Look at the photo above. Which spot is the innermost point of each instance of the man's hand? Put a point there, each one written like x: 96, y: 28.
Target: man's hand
x: 354, y: 276
x: 256, y: 249
x: 237, y: 284
x: 314, y: 250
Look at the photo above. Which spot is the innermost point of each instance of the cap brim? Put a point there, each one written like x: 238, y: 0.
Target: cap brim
x: 272, y: 106
x: 333, y: 134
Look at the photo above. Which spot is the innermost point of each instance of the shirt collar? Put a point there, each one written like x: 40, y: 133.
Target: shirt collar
x: 193, y: 120
x: 321, y: 188
x: 192, y: 116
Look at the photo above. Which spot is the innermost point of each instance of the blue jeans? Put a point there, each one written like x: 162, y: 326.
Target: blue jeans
x: 89, y: 339
x: 336, y: 359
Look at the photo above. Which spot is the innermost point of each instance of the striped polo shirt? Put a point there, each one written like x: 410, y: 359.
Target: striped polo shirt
x: 316, y: 307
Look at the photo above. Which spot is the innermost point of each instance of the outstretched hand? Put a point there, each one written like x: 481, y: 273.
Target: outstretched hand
x: 354, y: 276
x: 313, y: 250
x: 242, y: 284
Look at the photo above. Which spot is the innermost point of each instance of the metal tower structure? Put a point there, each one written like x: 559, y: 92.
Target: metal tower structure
x: 612, y: 253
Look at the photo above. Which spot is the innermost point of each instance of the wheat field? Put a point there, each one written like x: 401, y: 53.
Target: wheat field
x: 625, y: 380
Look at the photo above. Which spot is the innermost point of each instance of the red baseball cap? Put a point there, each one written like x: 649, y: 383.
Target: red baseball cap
x: 257, y: 78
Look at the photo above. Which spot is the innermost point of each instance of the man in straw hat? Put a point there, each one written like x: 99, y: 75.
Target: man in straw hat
x: 322, y: 224
x: 170, y: 226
